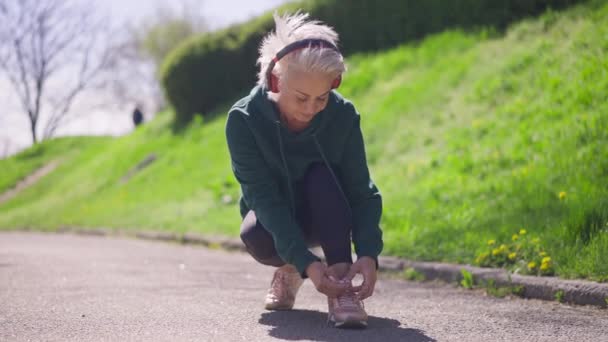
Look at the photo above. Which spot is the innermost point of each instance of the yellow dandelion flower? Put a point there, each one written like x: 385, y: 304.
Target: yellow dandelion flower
x: 531, y: 265
x: 562, y: 195
x: 491, y: 242
x: 514, y: 237
x: 546, y: 260
x: 495, y: 251
x: 502, y: 247
x: 512, y: 256
x: 542, y: 254
x: 544, y: 267
x: 522, y: 232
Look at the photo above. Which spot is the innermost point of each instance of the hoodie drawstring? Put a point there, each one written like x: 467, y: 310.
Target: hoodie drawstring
x: 331, y: 171
x: 282, y: 151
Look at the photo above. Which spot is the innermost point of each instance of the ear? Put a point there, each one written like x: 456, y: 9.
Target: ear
x: 336, y: 83
x: 273, y: 83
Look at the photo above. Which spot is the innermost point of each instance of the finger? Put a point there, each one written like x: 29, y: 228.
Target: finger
x: 357, y: 288
x: 352, y: 272
x: 331, y: 274
x: 367, y: 290
x: 331, y: 292
x: 334, y: 288
x: 364, y: 293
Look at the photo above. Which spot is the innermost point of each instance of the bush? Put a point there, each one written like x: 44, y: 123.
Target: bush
x: 214, y: 68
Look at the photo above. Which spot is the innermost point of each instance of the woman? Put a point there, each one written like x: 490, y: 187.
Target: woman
x: 297, y: 150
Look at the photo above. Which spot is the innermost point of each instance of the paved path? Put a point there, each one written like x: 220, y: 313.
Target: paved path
x: 30, y: 180
x: 63, y: 287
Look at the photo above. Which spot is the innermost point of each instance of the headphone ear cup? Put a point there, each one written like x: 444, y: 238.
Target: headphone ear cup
x: 336, y: 82
x: 273, y: 83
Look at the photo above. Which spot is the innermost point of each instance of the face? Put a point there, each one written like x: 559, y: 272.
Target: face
x: 302, y: 95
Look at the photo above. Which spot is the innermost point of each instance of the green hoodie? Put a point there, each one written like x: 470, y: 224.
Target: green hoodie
x: 267, y: 160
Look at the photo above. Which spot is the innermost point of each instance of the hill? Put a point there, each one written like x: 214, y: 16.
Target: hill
x: 471, y: 137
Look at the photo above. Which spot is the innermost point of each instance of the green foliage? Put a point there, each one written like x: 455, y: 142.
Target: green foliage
x: 467, y: 279
x: 413, y: 275
x: 213, y: 69
x: 19, y: 166
x: 522, y: 254
x: 502, y: 291
x: 588, y: 222
x: 164, y: 37
x: 559, y: 296
x: 159, y: 33
x: 218, y: 67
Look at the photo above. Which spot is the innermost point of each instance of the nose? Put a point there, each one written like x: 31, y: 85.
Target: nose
x: 310, y: 108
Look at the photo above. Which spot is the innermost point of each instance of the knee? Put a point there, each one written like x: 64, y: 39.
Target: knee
x: 257, y: 240
x: 248, y: 227
x: 249, y: 234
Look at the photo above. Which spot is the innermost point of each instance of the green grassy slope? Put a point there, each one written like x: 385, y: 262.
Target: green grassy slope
x: 470, y: 137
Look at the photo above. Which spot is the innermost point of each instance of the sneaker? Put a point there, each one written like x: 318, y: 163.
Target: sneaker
x: 283, y: 289
x: 346, y: 311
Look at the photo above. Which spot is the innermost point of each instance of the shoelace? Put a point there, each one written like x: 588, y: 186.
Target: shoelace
x: 348, y: 300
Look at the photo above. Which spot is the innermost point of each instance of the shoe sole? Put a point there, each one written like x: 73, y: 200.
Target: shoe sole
x: 352, y: 324
x: 278, y: 307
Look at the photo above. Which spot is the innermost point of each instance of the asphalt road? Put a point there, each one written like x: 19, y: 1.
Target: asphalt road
x: 56, y: 287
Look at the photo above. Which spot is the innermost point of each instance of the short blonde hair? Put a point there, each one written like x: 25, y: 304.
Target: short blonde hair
x: 296, y: 27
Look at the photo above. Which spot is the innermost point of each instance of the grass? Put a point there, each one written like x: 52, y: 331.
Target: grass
x: 18, y: 167
x: 468, y: 281
x: 470, y: 136
x: 413, y: 275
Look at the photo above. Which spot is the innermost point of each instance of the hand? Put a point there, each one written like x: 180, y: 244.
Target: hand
x: 324, y: 281
x: 365, y: 266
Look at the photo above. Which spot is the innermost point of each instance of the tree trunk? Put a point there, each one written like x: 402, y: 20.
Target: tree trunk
x: 33, y: 130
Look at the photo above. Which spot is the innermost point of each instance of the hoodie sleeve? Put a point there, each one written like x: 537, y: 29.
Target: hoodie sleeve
x: 363, y: 195
x: 262, y: 195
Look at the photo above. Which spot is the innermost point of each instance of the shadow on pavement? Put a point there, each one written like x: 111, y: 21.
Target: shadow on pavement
x: 312, y: 325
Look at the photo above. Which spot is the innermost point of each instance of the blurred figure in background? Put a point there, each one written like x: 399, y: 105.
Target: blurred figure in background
x: 138, y: 116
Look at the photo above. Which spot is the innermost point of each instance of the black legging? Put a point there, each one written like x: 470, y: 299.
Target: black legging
x: 323, y: 215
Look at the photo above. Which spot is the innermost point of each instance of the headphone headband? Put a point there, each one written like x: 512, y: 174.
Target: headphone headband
x: 297, y: 45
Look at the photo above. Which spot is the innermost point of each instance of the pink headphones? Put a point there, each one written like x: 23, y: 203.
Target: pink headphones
x: 273, y: 80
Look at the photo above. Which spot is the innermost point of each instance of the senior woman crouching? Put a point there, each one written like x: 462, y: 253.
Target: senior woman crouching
x: 297, y: 151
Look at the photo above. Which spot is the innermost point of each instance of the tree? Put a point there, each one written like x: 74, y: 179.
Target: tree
x: 51, y: 51
x: 160, y: 34
x: 149, y: 42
